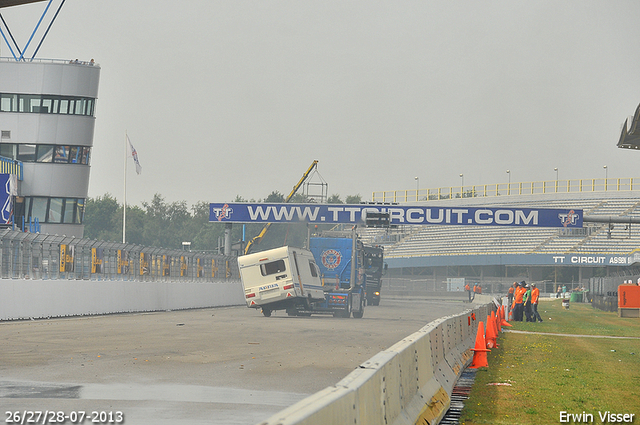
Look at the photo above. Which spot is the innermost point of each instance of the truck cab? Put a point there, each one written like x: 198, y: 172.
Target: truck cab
x: 344, y: 286
x: 375, y: 268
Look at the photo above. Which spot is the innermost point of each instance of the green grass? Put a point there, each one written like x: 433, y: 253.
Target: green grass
x: 549, y: 374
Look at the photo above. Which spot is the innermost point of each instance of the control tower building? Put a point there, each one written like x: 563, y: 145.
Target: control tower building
x: 47, y: 120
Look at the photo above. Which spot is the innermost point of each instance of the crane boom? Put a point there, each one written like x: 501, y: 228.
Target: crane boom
x: 265, y: 229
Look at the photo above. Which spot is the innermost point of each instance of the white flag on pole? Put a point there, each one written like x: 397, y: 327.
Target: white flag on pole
x: 134, y: 154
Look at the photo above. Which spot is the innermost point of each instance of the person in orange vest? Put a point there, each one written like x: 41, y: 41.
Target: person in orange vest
x: 535, y: 295
x: 479, y: 289
x: 512, y: 289
x: 468, y: 289
x: 518, y: 311
x: 475, y: 289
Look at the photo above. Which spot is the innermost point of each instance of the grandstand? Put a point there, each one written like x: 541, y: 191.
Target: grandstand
x: 604, y: 247
x: 438, y: 240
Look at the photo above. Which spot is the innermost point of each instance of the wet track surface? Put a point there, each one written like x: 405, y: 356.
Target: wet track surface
x: 216, y: 366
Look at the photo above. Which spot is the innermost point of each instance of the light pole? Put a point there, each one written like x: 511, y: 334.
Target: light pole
x: 461, y: 185
x: 606, y: 176
x: 556, y: 170
x: 417, y: 186
x: 509, y: 184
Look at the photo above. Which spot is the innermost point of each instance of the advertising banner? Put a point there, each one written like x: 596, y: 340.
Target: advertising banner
x: 398, y: 214
x: 8, y: 188
x: 214, y: 268
x: 66, y: 258
x: 97, y: 256
x: 123, y: 262
x: 183, y: 266
x: 200, y: 267
x: 582, y: 260
x: 144, y: 263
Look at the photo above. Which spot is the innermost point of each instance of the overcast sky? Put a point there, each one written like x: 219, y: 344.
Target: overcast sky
x: 226, y: 98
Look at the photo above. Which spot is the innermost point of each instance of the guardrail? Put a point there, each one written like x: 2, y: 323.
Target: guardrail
x: 508, y: 189
x: 59, y: 61
x: 410, y: 382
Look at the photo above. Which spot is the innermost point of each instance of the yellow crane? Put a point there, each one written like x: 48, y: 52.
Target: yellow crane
x: 265, y: 229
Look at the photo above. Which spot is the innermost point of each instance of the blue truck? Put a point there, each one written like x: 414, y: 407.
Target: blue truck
x: 341, y: 263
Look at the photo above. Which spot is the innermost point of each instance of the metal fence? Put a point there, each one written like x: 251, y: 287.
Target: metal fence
x: 41, y: 256
x: 608, y: 286
x: 490, y: 285
x: 516, y: 188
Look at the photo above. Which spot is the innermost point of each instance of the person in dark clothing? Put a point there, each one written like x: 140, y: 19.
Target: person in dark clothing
x: 468, y: 289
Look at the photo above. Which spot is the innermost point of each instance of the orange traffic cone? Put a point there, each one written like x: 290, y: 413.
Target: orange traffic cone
x: 479, y: 351
x: 504, y: 322
x: 497, y: 321
x: 496, y: 325
x: 492, y: 335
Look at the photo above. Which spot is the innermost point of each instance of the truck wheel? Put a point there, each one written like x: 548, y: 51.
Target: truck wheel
x: 347, y: 313
x: 266, y: 312
x: 359, y: 314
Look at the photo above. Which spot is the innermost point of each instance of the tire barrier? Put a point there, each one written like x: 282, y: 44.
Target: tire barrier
x: 410, y: 382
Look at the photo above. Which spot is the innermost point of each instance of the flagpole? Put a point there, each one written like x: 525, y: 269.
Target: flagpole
x: 124, y: 206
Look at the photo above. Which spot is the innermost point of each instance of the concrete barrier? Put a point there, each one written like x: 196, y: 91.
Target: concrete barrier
x: 410, y: 382
x: 24, y: 299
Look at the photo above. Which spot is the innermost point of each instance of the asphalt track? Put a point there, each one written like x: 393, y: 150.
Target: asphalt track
x: 210, y: 366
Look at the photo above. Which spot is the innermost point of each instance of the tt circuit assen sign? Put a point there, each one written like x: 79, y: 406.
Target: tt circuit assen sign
x: 398, y: 215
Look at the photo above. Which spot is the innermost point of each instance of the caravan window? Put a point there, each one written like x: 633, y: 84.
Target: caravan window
x: 272, y: 267
x: 314, y: 268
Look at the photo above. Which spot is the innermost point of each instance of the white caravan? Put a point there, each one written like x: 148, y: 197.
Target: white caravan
x: 280, y: 279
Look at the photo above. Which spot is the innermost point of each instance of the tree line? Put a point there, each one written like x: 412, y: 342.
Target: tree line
x: 159, y: 223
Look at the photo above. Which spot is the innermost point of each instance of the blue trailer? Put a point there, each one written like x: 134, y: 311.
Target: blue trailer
x: 341, y: 264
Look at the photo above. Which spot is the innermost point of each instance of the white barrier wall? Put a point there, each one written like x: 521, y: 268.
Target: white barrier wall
x: 23, y: 299
x: 409, y: 383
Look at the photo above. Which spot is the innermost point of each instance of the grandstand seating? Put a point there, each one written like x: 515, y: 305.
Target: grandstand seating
x: 595, y: 238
